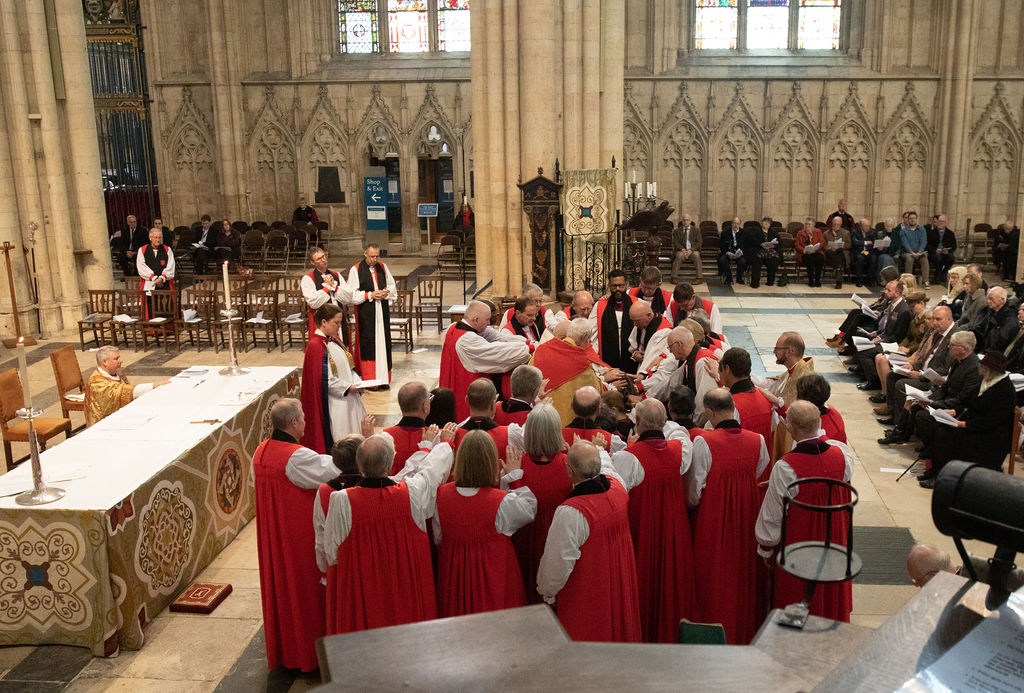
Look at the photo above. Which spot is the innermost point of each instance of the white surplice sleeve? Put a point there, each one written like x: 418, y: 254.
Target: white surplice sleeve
x: 569, y: 531
x: 503, y: 354
x: 716, y: 320
x: 657, y: 384
x: 317, y: 297
x: 307, y: 469
x: 628, y: 468
x: 319, y: 518
x: 769, y: 521
x: 657, y: 346
x: 764, y: 459
x: 340, y: 384
x: 517, y: 509
x: 697, y: 476
x: 170, y: 268
x: 705, y: 384
x: 358, y: 296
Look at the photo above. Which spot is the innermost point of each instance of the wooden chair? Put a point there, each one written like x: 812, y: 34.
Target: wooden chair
x: 220, y: 325
x: 262, y: 307
x: 69, y: 377
x: 275, y: 252
x: 431, y: 294
x: 202, y: 301
x: 298, y: 242
x: 401, y: 319
x: 292, y: 317
x: 289, y: 283
x: 129, y: 303
x: 252, y: 249
x: 449, y: 254
x: 101, y: 311
x: 164, y: 320
x: 12, y: 398
x: 206, y: 282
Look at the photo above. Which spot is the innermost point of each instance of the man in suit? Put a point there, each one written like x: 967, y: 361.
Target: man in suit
x: 865, y: 262
x: 127, y: 242
x: 730, y: 250
x: 983, y: 430
x: 761, y: 247
x: 997, y: 323
x: 941, y: 247
x: 893, y: 324
x: 1004, y: 249
x: 933, y: 353
x: 686, y: 245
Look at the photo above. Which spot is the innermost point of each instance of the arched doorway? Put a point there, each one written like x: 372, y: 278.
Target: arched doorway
x: 436, y: 182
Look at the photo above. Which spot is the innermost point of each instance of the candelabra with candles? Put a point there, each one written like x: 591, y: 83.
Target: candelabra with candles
x: 230, y: 315
x: 639, y: 195
x: 40, y: 493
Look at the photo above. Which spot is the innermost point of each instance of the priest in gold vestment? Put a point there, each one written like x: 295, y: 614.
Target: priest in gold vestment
x: 108, y: 388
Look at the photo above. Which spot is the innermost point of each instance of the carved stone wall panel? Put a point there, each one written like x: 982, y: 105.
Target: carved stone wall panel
x: 189, y: 183
x: 995, y: 170
x: 683, y: 168
x: 272, y: 160
x: 636, y: 152
x: 793, y: 171
x: 736, y: 176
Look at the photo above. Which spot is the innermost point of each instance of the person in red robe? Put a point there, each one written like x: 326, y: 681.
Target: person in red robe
x: 810, y: 457
x: 540, y: 448
x: 414, y: 402
x: 527, y: 386
x: 481, y: 399
x: 375, y: 535
x: 652, y: 468
x: 586, y: 404
x: 324, y: 286
x: 650, y: 290
x: 477, y: 569
x: 286, y: 477
x: 722, y: 485
x: 756, y: 413
x: 588, y: 570
x: 473, y: 349
x: 816, y: 390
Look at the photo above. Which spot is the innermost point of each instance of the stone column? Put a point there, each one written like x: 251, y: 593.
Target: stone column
x: 225, y: 105
x: 89, y: 208
x: 10, y: 230
x: 958, y: 129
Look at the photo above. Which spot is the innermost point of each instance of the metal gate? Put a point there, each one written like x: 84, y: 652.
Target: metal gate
x: 589, y: 258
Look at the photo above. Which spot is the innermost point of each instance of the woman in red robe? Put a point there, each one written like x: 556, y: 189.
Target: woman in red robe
x: 477, y: 568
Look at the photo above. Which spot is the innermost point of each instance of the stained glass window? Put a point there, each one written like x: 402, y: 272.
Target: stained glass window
x: 716, y: 24
x: 453, y: 25
x: 357, y: 26
x: 767, y: 24
x: 408, y: 26
x: 819, y: 24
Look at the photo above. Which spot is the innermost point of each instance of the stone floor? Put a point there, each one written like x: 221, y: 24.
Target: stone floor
x: 223, y: 651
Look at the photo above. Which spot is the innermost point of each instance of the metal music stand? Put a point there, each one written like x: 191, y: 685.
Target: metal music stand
x: 817, y: 561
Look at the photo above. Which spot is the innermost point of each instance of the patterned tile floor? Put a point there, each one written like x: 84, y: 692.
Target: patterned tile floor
x: 222, y: 651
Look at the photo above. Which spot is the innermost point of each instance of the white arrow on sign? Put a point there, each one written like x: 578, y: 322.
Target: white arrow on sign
x: 374, y: 197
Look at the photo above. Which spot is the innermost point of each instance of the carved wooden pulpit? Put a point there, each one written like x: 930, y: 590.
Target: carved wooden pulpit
x: 541, y: 206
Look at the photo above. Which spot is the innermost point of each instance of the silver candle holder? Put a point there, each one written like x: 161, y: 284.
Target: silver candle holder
x: 40, y: 493
x: 232, y: 368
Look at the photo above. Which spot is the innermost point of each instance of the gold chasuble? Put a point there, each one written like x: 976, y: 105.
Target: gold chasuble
x: 104, y: 396
x: 567, y: 368
x: 782, y: 443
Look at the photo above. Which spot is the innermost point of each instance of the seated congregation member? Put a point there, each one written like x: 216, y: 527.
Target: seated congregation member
x: 955, y: 293
x: 809, y: 249
x: 414, y: 403
x: 857, y: 319
x: 650, y: 291
x: 527, y: 383
x: 914, y: 242
x: 730, y: 250
x: 1014, y: 352
x: 893, y: 325
x: 653, y: 468
x: 865, y: 262
x: 837, y: 249
x: 586, y: 405
x: 997, y: 322
x: 962, y: 381
x: 588, y: 570
x: 368, y: 587
x: 815, y: 389
x: 544, y: 472
x: 1004, y: 250
x: 472, y: 348
x: 721, y: 484
x: 545, y: 319
x: 762, y: 249
x: 810, y: 457
x: 568, y: 363
x: 973, y: 299
x: 108, y: 389
x: 756, y: 413
x: 941, y: 247
x: 984, y: 427
x: 229, y: 242
x: 477, y: 569
x: 686, y: 301
x: 680, y: 409
x: 286, y: 476
x: 917, y: 347
x: 524, y: 321
x: 686, y: 244
x: 331, y: 397
x: 613, y: 324
x: 886, y: 256
x: 650, y: 330
x: 482, y: 398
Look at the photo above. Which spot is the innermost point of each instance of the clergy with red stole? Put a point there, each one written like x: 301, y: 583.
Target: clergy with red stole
x: 613, y: 326
x: 816, y: 390
x: 648, y: 340
x: 650, y: 291
x: 322, y: 286
x: 810, y: 457
x: 372, y: 288
x: 481, y: 397
x: 527, y: 384
x: 473, y: 349
x: 588, y: 570
x: 524, y: 321
x: 722, y: 485
x: 756, y: 413
x: 155, y: 264
x: 653, y: 468
x: 685, y: 301
x: 586, y: 403
x: 569, y: 363
x: 477, y: 569
x: 375, y: 535
x: 414, y: 402
x: 545, y: 319
x: 286, y: 477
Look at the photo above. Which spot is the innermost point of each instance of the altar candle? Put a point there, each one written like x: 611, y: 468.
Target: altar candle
x: 627, y: 190
x: 464, y: 200
x: 655, y: 187
x: 227, y: 287
x: 23, y: 367
x: 636, y: 192
x: 634, y: 176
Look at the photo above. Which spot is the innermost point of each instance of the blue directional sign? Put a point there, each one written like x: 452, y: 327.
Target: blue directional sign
x: 394, y: 192
x: 375, y: 199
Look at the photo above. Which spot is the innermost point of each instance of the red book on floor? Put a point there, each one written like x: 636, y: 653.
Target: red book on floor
x: 201, y: 598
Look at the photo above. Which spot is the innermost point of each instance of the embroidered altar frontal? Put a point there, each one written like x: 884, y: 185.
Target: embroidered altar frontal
x: 588, y: 210
x: 154, y: 492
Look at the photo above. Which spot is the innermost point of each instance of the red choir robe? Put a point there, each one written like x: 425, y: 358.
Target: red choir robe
x: 729, y: 575
x: 318, y: 285
x: 454, y: 375
x: 661, y: 302
x: 384, y: 575
x: 407, y: 434
x: 755, y: 415
x: 816, y: 459
x: 315, y: 404
x: 549, y: 481
x: 292, y: 596
x: 600, y: 599
x: 585, y: 429
x: 512, y: 411
x: 833, y: 424
x: 497, y: 433
x: 660, y: 529
x: 477, y: 568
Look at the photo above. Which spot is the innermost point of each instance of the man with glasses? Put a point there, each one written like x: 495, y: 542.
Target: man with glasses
x: 613, y: 324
